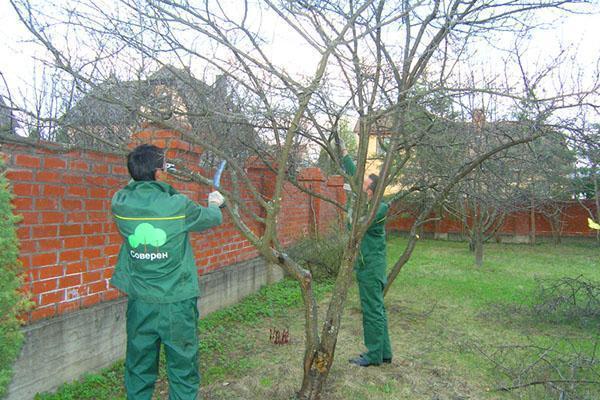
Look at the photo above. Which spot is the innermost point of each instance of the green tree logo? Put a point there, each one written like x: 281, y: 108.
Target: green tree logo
x: 147, y: 234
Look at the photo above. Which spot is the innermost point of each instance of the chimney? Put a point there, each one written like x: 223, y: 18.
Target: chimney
x: 478, y: 119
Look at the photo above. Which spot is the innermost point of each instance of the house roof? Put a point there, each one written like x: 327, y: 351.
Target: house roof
x: 118, y: 108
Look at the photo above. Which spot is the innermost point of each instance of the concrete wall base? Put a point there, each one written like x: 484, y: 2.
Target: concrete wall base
x: 63, y: 349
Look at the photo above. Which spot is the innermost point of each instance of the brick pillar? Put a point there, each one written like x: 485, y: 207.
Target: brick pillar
x: 313, y: 180
x: 335, y: 184
x: 263, y: 179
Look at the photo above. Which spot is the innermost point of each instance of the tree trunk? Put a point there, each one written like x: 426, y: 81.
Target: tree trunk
x: 319, y: 354
x: 315, y: 377
x: 532, y: 232
x: 597, y: 201
x: 479, y: 249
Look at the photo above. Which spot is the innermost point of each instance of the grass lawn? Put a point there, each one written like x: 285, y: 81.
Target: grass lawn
x: 457, y: 332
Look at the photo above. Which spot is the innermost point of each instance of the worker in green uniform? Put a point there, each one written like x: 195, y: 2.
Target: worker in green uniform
x: 370, y: 268
x: 156, y: 270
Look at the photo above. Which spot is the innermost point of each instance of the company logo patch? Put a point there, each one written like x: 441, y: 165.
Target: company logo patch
x: 146, y: 234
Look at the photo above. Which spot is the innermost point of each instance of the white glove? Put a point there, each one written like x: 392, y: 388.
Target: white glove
x: 215, y: 198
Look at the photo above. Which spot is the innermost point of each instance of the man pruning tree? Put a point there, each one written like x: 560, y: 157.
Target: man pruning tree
x: 370, y: 268
x: 156, y: 270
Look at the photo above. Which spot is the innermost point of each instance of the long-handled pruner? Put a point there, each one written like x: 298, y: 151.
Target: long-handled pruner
x: 217, y: 176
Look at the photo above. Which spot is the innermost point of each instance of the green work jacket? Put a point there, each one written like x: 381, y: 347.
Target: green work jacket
x: 156, y: 262
x: 372, y: 254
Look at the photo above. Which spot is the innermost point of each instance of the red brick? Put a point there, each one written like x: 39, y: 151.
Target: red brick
x: 46, y: 203
x: 100, y: 169
x: 54, y: 191
x: 69, y: 281
x: 89, y: 277
x: 67, y: 306
x: 47, y: 299
x: 79, y: 165
x: 74, y: 242
x: 92, y: 241
x: 25, y: 261
x: 94, y: 205
x: 96, y: 180
x: 119, y: 170
x: 97, y: 263
x: 52, y: 271
x: 70, y: 255
x: 22, y: 203
x: 71, y: 205
x: 115, y: 239
x: 24, y: 160
x: 48, y: 285
x: 42, y: 313
x: 115, y: 183
x: 25, y: 189
x: 28, y: 246
x: 29, y: 218
x: 70, y: 230
x: 112, y: 250
x: 97, y: 215
x: 111, y: 295
x: 99, y: 193
x: 41, y: 259
x: 52, y: 217
x: 77, y: 191
x: 48, y: 244
x: 23, y: 232
x: 74, y: 267
x: 90, y: 229
x: 77, y: 217
x: 19, y: 175
x: 73, y: 179
x: 91, y: 253
x: 48, y: 176
x: 88, y: 301
x: 54, y: 162
x: 43, y: 231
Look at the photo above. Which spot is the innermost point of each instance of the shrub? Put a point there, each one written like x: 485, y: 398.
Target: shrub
x: 321, y: 256
x: 567, y: 300
x: 12, y: 301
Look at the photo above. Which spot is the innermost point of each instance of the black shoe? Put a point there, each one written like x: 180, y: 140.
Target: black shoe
x: 385, y: 360
x: 361, y: 362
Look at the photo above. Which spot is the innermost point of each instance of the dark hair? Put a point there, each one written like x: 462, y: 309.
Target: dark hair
x: 374, y: 181
x: 143, y: 162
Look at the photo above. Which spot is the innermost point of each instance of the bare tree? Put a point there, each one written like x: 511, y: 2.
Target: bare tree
x: 366, y: 58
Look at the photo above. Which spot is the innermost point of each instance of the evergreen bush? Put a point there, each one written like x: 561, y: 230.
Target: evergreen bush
x: 13, y: 302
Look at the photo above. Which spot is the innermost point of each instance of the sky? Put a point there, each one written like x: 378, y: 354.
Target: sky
x: 581, y: 32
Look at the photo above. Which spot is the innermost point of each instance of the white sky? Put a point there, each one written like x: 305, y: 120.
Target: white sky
x: 579, y: 31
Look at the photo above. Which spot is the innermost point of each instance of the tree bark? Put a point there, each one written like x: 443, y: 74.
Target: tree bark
x: 478, y: 249
x: 532, y: 232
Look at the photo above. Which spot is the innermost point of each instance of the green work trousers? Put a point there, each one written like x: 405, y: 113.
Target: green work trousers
x: 375, y: 325
x: 175, y: 325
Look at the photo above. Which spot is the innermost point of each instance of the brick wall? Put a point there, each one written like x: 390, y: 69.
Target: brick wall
x: 518, y: 224
x: 69, y: 242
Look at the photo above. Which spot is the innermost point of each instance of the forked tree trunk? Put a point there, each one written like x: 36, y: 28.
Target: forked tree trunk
x: 319, y: 355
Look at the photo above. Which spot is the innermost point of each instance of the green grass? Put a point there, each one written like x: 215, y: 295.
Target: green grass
x: 457, y: 332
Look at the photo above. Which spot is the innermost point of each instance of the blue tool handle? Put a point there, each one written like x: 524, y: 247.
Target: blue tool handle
x: 217, y: 177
